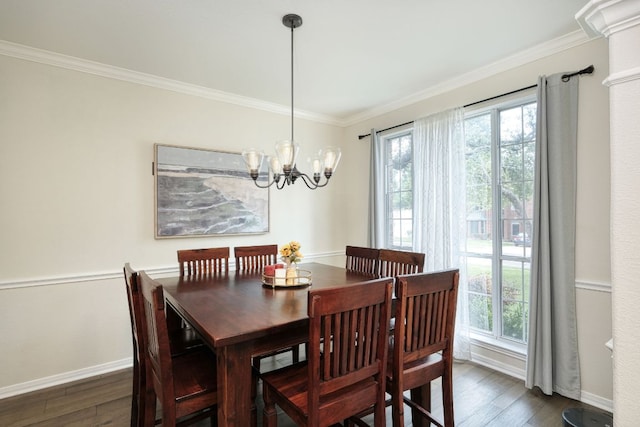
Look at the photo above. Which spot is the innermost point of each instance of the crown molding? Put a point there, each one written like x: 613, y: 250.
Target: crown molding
x: 54, y: 59
x: 41, y: 56
x: 606, y: 17
x: 551, y: 47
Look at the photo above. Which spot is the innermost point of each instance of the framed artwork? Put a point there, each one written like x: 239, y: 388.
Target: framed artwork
x: 206, y: 193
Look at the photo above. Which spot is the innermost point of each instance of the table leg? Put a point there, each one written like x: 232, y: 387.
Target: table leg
x: 234, y: 386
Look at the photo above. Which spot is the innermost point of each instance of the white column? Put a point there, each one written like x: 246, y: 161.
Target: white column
x: 619, y: 20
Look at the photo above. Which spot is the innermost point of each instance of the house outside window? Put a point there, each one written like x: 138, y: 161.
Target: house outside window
x: 500, y: 161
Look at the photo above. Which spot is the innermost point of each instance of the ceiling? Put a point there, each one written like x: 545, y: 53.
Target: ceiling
x: 351, y: 56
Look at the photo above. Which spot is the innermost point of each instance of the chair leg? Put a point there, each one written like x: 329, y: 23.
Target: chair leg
x: 422, y: 396
x: 269, y: 415
x: 136, y: 400
x: 295, y: 350
x: 447, y: 398
x: 379, y: 414
x: 397, y: 406
x: 149, y: 407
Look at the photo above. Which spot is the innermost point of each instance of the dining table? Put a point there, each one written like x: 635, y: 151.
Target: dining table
x: 239, y: 317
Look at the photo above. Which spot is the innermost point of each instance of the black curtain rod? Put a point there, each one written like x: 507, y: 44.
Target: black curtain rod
x: 565, y: 78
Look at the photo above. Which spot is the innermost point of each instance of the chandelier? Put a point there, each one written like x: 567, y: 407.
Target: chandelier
x: 282, y: 166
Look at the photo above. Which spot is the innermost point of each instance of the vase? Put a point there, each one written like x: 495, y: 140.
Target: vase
x: 292, y: 273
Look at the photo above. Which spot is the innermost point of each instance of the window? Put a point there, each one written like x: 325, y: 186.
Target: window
x: 500, y: 157
x: 398, y: 190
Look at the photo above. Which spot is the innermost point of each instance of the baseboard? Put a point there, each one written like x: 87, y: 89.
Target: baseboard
x: 69, y: 377
x: 585, y: 397
x: 64, y: 378
x: 504, y: 368
x: 597, y: 401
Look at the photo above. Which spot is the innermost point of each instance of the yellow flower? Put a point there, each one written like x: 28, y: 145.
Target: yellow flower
x: 290, y: 252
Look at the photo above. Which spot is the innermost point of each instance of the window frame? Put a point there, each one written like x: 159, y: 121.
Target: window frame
x: 388, y: 205
x: 495, y: 339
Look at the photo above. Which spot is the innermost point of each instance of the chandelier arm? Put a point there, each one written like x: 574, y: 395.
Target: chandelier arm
x: 311, y: 183
x: 280, y: 184
x: 255, y: 181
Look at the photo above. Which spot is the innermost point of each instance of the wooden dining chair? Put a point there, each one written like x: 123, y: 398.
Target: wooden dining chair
x: 422, y: 345
x: 362, y: 260
x: 180, y: 342
x: 392, y: 263
x: 208, y: 261
x: 343, y: 378
x: 185, y: 385
x: 253, y: 259
x: 204, y: 261
x: 133, y: 297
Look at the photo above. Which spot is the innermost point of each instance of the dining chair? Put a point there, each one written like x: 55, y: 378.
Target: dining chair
x: 211, y: 261
x: 133, y: 297
x: 203, y: 261
x: 185, y: 385
x: 253, y: 259
x: 422, y: 345
x: 362, y: 260
x: 180, y: 342
x: 343, y: 378
x: 392, y: 263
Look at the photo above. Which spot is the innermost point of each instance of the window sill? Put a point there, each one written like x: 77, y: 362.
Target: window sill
x: 518, y: 351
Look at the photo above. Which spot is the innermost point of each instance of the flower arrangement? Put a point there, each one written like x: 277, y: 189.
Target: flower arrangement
x: 290, y: 252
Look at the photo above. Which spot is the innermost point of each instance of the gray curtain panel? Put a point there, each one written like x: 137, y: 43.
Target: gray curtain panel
x: 375, y: 238
x: 552, y: 356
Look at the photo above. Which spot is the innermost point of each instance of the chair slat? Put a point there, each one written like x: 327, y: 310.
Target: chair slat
x: 362, y: 260
x: 203, y: 261
x: 394, y: 263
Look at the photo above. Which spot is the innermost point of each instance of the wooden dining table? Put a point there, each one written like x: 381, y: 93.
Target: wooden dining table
x: 240, y: 317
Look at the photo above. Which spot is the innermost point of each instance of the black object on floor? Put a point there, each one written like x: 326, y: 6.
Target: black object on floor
x: 580, y: 417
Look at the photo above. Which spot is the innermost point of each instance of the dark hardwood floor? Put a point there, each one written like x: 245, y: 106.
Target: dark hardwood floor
x: 483, y: 397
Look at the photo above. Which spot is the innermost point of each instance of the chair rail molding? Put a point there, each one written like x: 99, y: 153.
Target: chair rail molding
x: 172, y: 270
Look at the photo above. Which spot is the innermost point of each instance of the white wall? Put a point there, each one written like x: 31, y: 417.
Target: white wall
x: 593, y: 276
x: 77, y: 203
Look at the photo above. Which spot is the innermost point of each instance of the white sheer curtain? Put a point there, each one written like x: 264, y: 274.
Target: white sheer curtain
x: 439, y: 210
x: 552, y: 354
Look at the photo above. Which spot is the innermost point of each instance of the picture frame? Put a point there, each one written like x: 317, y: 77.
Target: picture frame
x: 204, y: 193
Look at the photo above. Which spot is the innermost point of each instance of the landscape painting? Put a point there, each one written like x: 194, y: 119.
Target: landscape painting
x: 202, y: 192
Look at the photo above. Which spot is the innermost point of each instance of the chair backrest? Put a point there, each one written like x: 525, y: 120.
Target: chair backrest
x: 254, y: 258
x: 203, y: 261
x: 363, y: 260
x: 158, y: 351
x: 425, y: 316
x: 136, y: 313
x: 394, y: 263
x: 348, y: 334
